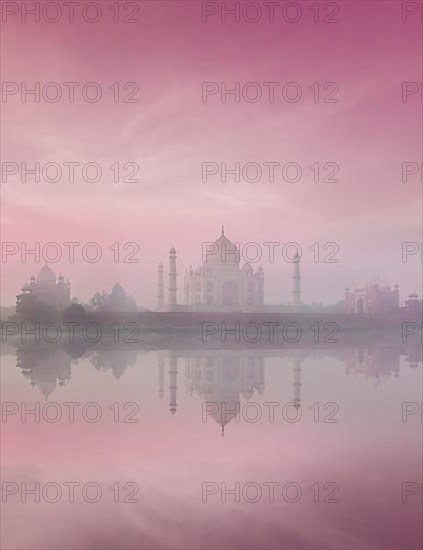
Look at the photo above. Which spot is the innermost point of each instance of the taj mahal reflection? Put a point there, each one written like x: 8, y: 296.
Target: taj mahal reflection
x: 223, y: 379
x: 226, y: 378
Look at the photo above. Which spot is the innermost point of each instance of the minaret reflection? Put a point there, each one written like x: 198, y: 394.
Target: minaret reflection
x: 173, y: 383
x: 297, y: 382
x: 160, y: 366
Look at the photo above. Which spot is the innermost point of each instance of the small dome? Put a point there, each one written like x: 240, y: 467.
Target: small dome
x: 247, y: 268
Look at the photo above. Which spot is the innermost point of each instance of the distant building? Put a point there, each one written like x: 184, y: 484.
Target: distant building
x: 413, y: 305
x: 45, y: 288
x: 372, y: 298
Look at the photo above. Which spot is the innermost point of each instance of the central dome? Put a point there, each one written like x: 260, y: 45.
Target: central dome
x: 225, y: 252
x: 46, y: 275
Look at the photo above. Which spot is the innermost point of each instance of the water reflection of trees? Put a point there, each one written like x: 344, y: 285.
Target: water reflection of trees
x: 117, y: 361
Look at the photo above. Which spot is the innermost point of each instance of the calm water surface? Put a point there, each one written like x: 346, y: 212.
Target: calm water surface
x: 298, y: 448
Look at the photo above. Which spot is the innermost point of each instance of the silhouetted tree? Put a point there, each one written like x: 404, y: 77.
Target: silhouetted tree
x: 99, y: 301
x: 117, y: 300
x: 120, y: 301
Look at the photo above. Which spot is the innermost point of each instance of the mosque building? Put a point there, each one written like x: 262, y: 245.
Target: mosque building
x: 45, y: 288
x: 414, y: 304
x: 375, y: 297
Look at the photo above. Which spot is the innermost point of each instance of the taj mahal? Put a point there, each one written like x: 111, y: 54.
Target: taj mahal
x: 220, y: 283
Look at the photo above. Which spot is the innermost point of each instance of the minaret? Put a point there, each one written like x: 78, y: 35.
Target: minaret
x: 173, y: 381
x: 172, y: 278
x: 260, y: 292
x: 296, y: 292
x: 297, y: 382
x: 160, y: 288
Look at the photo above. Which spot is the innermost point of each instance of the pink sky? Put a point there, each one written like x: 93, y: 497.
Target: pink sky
x: 170, y: 132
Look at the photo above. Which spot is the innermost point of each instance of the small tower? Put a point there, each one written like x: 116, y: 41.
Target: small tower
x: 160, y: 288
x: 172, y: 278
x: 296, y: 292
